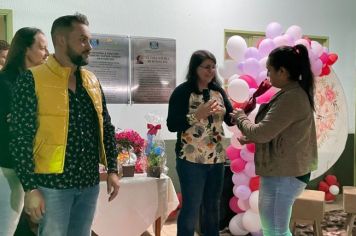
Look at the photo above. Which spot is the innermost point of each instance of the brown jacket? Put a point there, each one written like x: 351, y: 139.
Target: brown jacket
x: 284, y: 134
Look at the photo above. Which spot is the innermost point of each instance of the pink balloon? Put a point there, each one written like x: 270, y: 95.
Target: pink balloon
x: 252, y: 67
x: 252, y: 52
x: 280, y: 41
x: 249, y: 80
x: 243, y: 204
x: 266, y: 46
x: 242, y: 192
x: 237, y: 165
x: 273, y: 30
x: 261, y: 76
x: 288, y: 39
x: 264, y: 98
x: 251, y: 147
x: 232, y: 153
x: 316, y: 67
x: 240, y: 68
x: 295, y: 31
x: 250, y: 169
x: 246, y: 155
x: 233, y: 205
x: 240, y: 179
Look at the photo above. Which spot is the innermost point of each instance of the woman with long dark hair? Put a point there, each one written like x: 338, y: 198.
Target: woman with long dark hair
x: 197, y: 110
x: 285, y: 137
x: 28, y: 48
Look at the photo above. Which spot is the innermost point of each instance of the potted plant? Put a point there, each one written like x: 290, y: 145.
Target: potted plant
x: 130, y: 145
x: 155, y: 157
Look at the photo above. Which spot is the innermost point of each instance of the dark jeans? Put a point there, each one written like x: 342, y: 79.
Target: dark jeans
x: 201, y: 185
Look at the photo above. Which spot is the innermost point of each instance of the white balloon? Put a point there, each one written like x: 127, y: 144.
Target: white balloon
x: 231, y: 78
x: 243, y: 204
x: 253, y: 201
x: 227, y: 69
x: 251, y: 221
x: 238, y: 90
x: 236, y: 226
x: 334, y: 189
x: 236, y: 47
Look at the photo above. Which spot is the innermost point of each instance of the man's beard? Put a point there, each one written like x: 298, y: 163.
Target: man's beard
x: 76, y: 58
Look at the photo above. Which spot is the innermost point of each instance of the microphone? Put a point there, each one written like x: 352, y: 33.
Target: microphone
x: 206, y: 98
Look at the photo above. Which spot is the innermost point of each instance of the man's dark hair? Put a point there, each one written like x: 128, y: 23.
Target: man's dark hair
x: 4, y: 45
x: 64, y: 24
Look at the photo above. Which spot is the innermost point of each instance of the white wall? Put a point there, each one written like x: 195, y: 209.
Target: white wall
x: 200, y: 25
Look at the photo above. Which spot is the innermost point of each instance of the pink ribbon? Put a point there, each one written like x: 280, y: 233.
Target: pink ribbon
x: 153, y: 129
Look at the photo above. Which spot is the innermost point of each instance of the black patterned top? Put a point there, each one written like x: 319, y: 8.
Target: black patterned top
x: 198, y: 142
x: 82, y: 153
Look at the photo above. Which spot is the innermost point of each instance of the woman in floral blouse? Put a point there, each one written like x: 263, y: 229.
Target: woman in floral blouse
x: 197, y: 109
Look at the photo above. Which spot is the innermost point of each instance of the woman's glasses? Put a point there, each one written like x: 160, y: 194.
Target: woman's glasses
x: 208, y: 67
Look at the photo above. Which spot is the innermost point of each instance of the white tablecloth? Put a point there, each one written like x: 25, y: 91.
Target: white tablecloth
x: 141, y: 200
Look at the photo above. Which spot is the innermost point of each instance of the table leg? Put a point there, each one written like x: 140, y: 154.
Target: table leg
x: 158, y: 227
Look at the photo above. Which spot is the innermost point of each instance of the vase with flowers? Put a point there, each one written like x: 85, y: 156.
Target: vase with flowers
x: 130, y: 146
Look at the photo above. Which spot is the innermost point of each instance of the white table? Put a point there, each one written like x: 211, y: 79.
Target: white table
x: 141, y: 202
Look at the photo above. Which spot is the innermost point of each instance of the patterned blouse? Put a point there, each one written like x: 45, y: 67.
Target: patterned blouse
x: 82, y: 153
x: 197, y: 141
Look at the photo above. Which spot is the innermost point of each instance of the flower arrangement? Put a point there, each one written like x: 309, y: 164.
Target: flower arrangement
x: 129, y: 139
x: 130, y: 145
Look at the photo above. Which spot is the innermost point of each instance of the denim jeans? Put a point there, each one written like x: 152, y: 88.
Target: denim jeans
x: 11, y: 201
x: 276, y: 198
x: 201, y: 184
x: 68, y: 212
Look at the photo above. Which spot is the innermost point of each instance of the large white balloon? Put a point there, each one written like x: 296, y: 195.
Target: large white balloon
x: 235, y: 225
x: 251, y: 221
x: 236, y: 47
x: 238, y: 90
x: 253, y: 201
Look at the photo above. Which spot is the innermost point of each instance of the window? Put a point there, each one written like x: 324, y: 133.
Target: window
x: 6, y: 24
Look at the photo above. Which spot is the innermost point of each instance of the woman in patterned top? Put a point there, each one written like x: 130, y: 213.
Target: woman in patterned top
x: 28, y: 48
x: 197, y: 109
